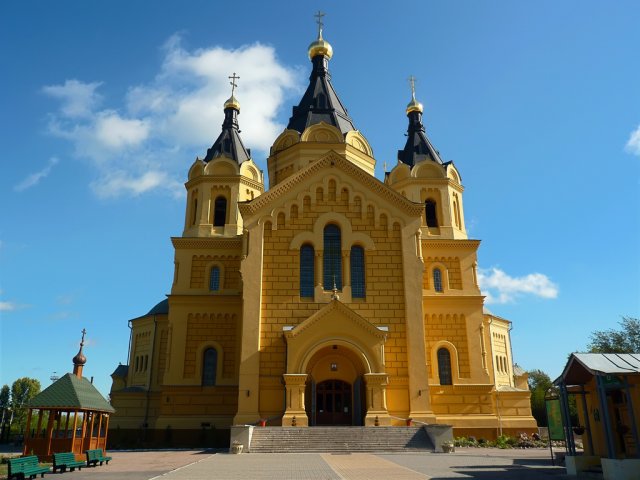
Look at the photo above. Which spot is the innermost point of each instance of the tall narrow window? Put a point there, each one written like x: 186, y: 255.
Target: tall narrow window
x: 332, y: 258
x: 214, y: 279
x: 444, y: 366
x: 307, y: 271
x: 220, y: 212
x: 194, y: 209
x: 357, y: 272
x: 430, y: 213
x: 209, y: 367
x: 437, y: 280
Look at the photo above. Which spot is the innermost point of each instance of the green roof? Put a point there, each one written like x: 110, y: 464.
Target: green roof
x: 71, y: 392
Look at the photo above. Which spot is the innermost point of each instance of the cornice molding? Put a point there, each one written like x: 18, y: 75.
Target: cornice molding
x: 206, y: 242
x: 449, y: 243
x: 331, y: 160
x: 224, y: 180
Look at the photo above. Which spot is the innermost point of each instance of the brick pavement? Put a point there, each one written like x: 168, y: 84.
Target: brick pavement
x: 480, y: 464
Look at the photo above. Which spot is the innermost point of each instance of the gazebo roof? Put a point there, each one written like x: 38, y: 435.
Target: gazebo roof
x: 583, y: 366
x: 72, y: 393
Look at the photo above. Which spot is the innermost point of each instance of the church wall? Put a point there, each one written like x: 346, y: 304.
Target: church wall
x: 281, y: 304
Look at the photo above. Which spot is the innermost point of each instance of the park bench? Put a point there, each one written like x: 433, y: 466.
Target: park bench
x: 26, y: 467
x: 65, y: 460
x: 95, y: 456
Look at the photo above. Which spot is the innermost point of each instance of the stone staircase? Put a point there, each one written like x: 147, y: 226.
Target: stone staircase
x: 339, y: 439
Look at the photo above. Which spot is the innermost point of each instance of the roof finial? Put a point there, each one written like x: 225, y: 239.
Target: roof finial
x: 79, y: 360
x: 233, y: 84
x: 320, y: 46
x: 334, y: 295
x: 414, y: 105
x: 233, y: 101
x: 319, y: 16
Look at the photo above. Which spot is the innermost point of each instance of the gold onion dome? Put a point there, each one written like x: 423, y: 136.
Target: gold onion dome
x: 320, y: 47
x: 232, y: 102
x: 414, y: 106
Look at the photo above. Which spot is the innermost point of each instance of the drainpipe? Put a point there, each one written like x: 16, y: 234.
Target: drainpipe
x: 511, y: 354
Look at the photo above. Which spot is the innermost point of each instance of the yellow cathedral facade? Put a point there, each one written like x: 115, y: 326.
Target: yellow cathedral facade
x: 327, y: 297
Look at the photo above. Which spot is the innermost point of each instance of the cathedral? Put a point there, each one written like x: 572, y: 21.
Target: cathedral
x: 325, y: 297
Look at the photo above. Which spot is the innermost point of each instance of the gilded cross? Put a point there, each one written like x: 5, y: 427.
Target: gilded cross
x: 319, y: 16
x: 233, y: 84
x: 412, y: 82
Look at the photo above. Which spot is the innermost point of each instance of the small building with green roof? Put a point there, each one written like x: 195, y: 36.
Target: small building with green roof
x: 68, y: 416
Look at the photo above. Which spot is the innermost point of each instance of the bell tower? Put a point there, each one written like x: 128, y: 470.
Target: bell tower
x: 422, y: 176
x: 227, y: 175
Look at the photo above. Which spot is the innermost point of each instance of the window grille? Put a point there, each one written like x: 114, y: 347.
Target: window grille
x: 332, y: 258
x: 444, y: 366
x: 307, y: 271
x: 214, y: 279
x: 209, y: 367
x: 358, y: 289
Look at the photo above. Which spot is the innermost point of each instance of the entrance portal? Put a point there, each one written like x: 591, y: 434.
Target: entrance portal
x: 334, y: 403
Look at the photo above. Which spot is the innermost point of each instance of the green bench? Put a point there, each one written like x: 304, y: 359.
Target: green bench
x: 62, y: 461
x: 95, y: 456
x: 26, y: 467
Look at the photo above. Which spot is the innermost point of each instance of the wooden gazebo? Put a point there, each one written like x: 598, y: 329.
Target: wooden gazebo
x: 68, y: 416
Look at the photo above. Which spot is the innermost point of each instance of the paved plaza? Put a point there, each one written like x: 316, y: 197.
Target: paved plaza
x: 494, y: 464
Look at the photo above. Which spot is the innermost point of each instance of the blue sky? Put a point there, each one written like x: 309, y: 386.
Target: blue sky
x: 106, y: 105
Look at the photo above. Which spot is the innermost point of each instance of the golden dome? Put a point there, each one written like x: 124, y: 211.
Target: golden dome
x: 232, y: 102
x: 414, y: 106
x: 320, y: 47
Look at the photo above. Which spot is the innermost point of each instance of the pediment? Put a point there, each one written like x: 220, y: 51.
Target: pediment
x: 327, y: 316
x: 335, y: 163
x: 335, y: 323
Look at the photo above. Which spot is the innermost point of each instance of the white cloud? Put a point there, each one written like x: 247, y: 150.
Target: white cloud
x: 78, y: 98
x: 115, y: 132
x: 147, y: 140
x: 633, y: 144
x: 33, y: 179
x: 499, y: 287
x: 8, y: 306
x: 118, y: 183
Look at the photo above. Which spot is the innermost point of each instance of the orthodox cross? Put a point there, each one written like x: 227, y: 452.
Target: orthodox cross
x: 412, y: 82
x: 319, y: 16
x: 84, y: 332
x: 233, y: 84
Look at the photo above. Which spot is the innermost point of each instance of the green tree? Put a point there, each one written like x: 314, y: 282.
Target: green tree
x: 5, y: 398
x: 625, y: 340
x: 22, y: 390
x: 539, y: 383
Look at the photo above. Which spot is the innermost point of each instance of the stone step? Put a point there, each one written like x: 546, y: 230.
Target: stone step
x: 339, y: 439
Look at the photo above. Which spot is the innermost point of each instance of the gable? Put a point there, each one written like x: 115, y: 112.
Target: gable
x: 317, y: 177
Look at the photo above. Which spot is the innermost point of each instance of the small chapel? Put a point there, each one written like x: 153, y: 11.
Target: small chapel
x: 319, y: 294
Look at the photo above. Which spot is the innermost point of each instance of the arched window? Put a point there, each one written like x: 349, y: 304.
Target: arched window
x: 307, y: 271
x: 437, y: 280
x: 444, y: 366
x: 220, y: 212
x: 194, y: 209
x: 209, y: 367
x: 357, y: 272
x: 214, y: 279
x: 430, y: 213
x: 332, y: 258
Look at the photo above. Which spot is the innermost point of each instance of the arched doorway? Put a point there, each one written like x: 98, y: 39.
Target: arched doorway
x: 334, y: 390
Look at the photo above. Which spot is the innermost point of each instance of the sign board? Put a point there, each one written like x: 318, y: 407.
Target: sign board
x: 554, y: 419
